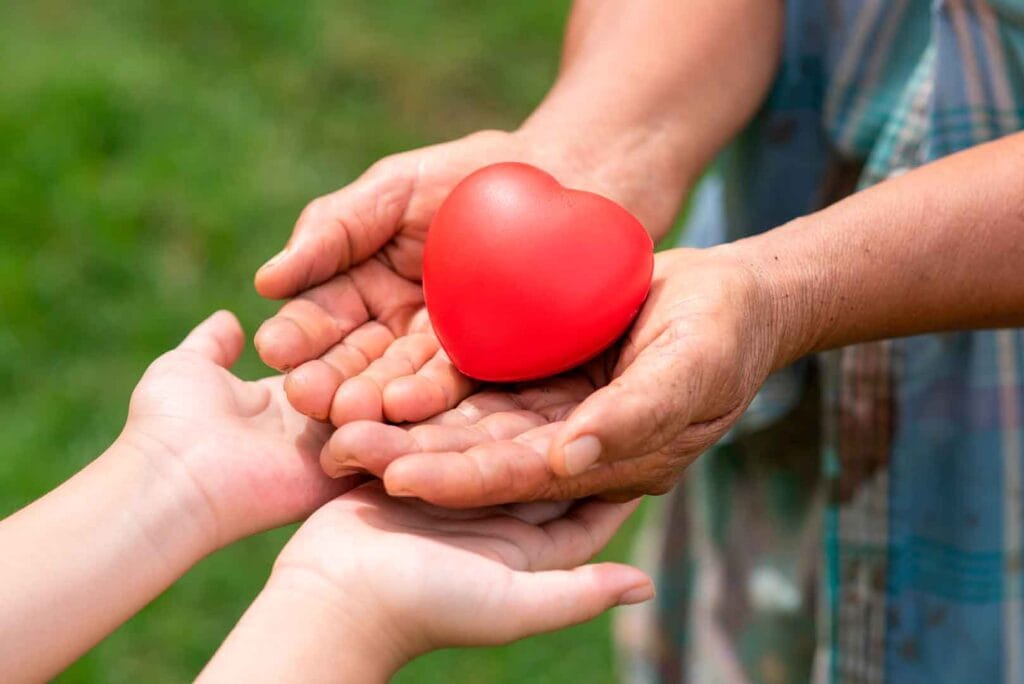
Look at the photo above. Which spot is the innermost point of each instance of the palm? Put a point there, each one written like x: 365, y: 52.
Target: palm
x: 454, y: 577
x: 357, y: 339
x: 676, y: 378
x: 501, y: 432
x: 363, y: 319
x: 252, y: 457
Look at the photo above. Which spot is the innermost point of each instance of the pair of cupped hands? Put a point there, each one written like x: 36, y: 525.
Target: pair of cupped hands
x: 475, y: 473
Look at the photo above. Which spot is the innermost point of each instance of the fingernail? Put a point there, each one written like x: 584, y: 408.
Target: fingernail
x: 644, y: 592
x: 399, y: 490
x: 581, y: 453
x: 346, y: 471
x: 275, y: 259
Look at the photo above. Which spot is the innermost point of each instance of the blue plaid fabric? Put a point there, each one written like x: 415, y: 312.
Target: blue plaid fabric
x: 897, y: 557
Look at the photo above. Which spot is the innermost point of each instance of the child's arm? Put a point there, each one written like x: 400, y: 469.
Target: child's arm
x: 81, y: 560
x: 203, y: 460
x: 369, y: 582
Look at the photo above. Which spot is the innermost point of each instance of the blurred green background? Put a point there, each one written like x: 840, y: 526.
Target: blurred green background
x: 152, y: 155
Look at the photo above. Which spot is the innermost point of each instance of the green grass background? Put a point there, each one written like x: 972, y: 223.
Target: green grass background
x: 152, y: 154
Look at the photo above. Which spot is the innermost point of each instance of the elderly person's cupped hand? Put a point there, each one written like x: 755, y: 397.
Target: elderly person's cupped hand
x: 625, y: 424
x: 715, y: 324
x: 354, y: 337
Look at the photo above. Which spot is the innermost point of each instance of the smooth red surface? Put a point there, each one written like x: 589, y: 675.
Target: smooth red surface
x: 524, y: 278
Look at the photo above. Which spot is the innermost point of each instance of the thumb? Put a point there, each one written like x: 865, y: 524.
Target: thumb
x: 219, y: 339
x: 556, y: 599
x: 339, y: 230
x: 626, y: 418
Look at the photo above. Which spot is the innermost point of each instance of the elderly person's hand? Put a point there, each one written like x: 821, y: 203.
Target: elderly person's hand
x: 634, y: 115
x: 887, y: 262
x: 357, y: 320
x: 626, y: 424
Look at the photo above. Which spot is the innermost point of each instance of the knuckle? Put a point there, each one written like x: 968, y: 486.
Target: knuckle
x: 165, y: 362
x: 623, y: 494
x: 642, y: 409
x: 584, y: 544
x: 660, y: 487
x: 497, y: 478
x: 566, y: 490
x: 473, y: 483
x: 315, y: 210
x: 654, y: 474
x: 385, y: 166
x: 699, y: 437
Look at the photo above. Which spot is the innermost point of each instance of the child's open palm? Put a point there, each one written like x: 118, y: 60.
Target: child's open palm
x: 421, y: 577
x: 242, y: 457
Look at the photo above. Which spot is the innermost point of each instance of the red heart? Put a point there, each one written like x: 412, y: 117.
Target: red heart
x: 524, y: 278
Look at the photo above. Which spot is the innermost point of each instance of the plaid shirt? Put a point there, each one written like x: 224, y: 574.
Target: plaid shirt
x: 865, y: 520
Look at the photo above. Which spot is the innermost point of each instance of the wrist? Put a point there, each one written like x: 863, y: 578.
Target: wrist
x: 795, y: 294
x: 165, y: 502
x: 344, y: 631
x: 639, y: 166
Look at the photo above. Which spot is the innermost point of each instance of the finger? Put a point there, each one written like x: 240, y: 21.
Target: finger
x: 480, y: 419
x: 307, y: 326
x: 475, y: 408
x: 492, y: 473
x: 341, y: 229
x: 537, y: 512
x: 638, y: 413
x: 358, y: 398
x: 556, y: 599
x: 436, y: 387
x: 372, y: 446
x: 219, y: 338
x: 501, y: 472
x: 362, y: 397
x: 553, y: 400
x: 580, y: 534
x: 366, y: 446
x: 558, y: 543
x: 494, y: 427
x: 311, y: 387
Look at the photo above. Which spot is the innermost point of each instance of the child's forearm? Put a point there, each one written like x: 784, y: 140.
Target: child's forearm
x: 939, y: 248
x: 81, y: 560
x: 294, y: 633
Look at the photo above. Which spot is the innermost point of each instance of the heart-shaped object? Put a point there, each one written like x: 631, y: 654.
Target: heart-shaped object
x: 524, y: 278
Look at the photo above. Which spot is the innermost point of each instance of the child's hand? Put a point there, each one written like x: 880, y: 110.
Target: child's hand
x: 369, y: 582
x: 240, y: 456
x: 203, y: 459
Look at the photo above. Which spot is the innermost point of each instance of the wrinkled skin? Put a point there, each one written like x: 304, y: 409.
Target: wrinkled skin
x: 681, y: 377
x: 355, y: 338
x: 354, y: 261
x: 358, y: 344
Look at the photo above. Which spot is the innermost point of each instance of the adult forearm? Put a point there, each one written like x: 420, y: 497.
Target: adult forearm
x: 80, y: 561
x: 939, y: 248
x: 650, y: 90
